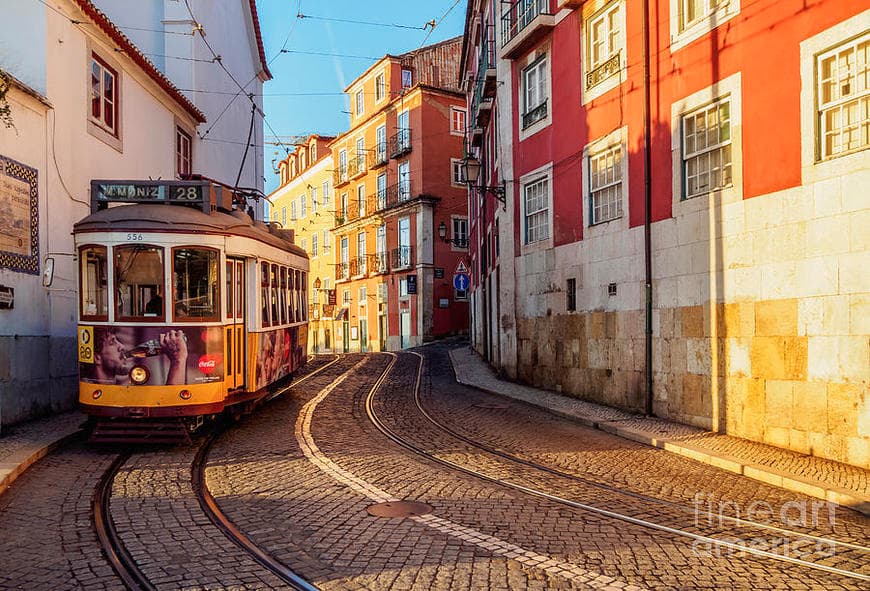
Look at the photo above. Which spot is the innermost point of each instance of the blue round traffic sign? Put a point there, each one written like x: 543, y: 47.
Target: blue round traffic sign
x: 461, y: 281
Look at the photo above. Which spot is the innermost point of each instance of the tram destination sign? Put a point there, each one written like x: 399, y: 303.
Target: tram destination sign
x: 195, y: 193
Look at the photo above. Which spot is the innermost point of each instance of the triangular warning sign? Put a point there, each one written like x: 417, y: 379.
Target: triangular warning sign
x: 461, y: 268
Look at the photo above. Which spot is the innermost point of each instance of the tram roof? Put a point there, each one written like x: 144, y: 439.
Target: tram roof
x: 169, y: 218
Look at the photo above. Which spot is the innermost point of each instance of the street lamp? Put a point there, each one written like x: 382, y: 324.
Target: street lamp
x: 471, y: 174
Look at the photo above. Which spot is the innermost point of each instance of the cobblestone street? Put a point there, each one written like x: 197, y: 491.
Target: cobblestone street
x: 513, y: 497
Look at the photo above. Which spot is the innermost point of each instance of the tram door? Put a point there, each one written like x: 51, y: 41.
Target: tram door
x: 234, y: 331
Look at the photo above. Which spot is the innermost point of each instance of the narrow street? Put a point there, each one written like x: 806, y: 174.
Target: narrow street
x: 508, y: 496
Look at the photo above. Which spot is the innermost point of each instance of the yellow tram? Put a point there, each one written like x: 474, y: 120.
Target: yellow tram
x: 187, y: 308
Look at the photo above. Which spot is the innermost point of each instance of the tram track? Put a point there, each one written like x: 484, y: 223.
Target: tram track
x: 668, y: 515
x: 120, y: 558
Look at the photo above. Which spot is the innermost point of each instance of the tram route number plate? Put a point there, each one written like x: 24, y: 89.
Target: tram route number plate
x: 86, y: 344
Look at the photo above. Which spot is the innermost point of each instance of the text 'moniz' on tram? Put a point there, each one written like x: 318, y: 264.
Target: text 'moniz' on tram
x: 187, y: 308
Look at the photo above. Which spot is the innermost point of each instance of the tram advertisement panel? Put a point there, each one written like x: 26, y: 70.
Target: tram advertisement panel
x: 170, y: 355
x: 278, y: 353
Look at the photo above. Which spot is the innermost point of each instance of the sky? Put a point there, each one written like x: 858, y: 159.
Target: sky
x: 288, y: 110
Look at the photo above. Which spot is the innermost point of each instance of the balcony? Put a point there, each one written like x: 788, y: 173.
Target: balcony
x: 476, y: 136
x: 400, y: 143
x: 356, y: 166
x: 486, y: 66
x: 379, y: 263
x: 402, y: 257
x: 339, y: 176
x: 358, y: 266
x: 378, y: 156
x: 342, y: 271
x: 524, y: 23
x: 535, y: 114
x: 391, y: 196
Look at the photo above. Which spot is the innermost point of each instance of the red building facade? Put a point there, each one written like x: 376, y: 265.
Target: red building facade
x: 674, y: 178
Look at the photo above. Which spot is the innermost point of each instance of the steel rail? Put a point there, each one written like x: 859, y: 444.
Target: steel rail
x: 116, y: 552
x: 640, y: 496
x: 390, y: 434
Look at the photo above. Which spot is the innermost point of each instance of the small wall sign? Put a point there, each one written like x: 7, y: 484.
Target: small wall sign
x: 7, y: 297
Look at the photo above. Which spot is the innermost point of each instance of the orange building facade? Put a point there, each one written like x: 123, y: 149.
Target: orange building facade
x: 397, y: 183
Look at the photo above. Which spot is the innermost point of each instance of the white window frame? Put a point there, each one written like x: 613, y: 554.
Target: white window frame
x: 456, y: 177
x: 544, y: 173
x: 381, y: 184
x: 381, y: 143
x: 458, y: 115
x: 312, y: 150
x: 302, y: 206
x: 813, y: 167
x: 182, y: 135
x: 617, y: 77
x: 619, y: 138
x: 404, y: 180
x: 681, y: 36
x: 540, y: 63
x: 325, y: 190
x: 360, y: 103
x: 111, y: 135
x: 292, y: 211
x: 732, y: 88
x: 361, y: 200
x: 380, y: 87
x: 860, y: 99
x: 314, y: 245
x: 342, y: 165
x: 313, y: 200
x: 410, y: 78
x: 719, y: 109
x: 456, y: 222
x: 361, y: 254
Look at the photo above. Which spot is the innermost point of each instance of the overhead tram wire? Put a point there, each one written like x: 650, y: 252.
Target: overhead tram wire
x: 368, y: 23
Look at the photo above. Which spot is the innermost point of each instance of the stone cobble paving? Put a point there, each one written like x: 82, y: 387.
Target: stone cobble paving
x: 47, y: 538
x: 24, y: 434
x: 470, y: 370
x: 159, y: 520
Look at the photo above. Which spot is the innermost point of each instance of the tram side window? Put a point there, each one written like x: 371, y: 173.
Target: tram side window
x: 274, y: 296
x: 304, y: 296
x: 282, y: 296
x: 289, y: 295
x: 195, y: 282
x: 229, y: 288
x: 94, y: 273
x: 298, y: 296
x: 139, y: 282
x: 264, y: 292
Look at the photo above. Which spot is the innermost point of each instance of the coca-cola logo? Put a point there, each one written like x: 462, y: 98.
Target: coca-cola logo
x: 208, y: 363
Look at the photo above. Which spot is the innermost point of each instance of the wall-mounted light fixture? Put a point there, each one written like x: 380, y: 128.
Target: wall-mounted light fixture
x: 458, y: 242
x: 471, y: 174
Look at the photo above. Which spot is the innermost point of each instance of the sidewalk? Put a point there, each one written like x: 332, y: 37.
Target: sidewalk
x: 816, y: 477
x: 23, y: 444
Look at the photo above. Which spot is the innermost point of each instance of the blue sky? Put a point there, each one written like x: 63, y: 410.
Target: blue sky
x: 306, y: 73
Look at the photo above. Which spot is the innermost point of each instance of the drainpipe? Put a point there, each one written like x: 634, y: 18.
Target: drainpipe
x: 647, y: 222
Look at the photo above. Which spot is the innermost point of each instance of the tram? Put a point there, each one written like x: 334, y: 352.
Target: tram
x: 187, y: 308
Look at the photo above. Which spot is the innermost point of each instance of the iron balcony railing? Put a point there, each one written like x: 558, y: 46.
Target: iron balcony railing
x: 358, y: 266
x: 535, y: 114
x: 400, y: 143
x: 356, y: 165
x: 487, y: 52
x: 402, y: 257
x: 341, y: 271
x: 339, y: 176
x: 379, y: 262
x: 603, y: 71
x: 378, y: 156
x: 392, y: 195
x: 519, y: 16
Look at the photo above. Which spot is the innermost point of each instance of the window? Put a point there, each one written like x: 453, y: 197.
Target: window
x: 344, y: 209
x: 457, y: 121
x: 404, y: 180
x: 104, y: 96
x: 407, y: 78
x: 363, y: 296
x: 313, y: 199
x: 456, y: 176
x: 139, y: 283
x: 284, y: 216
x: 381, y: 143
x: 292, y: 166
x: 312, y: 149
x: 360, y: 102
x: 691, y: 19
x: 325, y: 190
x: 361, y: 253
x: 302, y: 205
x: 844, y: 98
x: 183, y: 148
x: 605, y: 46
x: 536, y: 210
x: 345, y: 297
x: 292, y: 211
x: 460, y: 232
x: 381, y: 248
x: 707, y: 149
x: 361, y: 200
x: 403, y: 133
x: 382, y: 190
x: 342, y: 165
x: 605, y: 185
x: 535, y: 92
x: 304, y: 245
x: 345, y: 257
x: 302, y: 161
x: 314, y: 245
x: 327, y: 245
x: 283, y: 298
x: 93, y: 278
x: 404, y: 254
x: 571, y: 295
x: 380, y: 88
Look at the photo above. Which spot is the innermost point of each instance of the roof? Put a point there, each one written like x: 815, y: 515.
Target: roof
x: 109, y: 28
x: 259, y: 36
x: 156, y: 217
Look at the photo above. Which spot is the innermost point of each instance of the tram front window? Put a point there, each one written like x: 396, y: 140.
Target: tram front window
x: 139, y: 282
x: 195, y: 282
x: 94, y: 272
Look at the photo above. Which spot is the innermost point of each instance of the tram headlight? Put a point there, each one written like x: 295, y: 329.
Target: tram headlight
x: 96, y: 394
x: 185, y: 394
x: 139, y: 374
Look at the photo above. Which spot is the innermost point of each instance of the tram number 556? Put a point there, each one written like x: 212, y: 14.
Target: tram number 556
x: 86, y: 344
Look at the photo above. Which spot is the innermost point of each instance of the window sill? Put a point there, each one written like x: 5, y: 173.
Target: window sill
x: 105, y: 136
